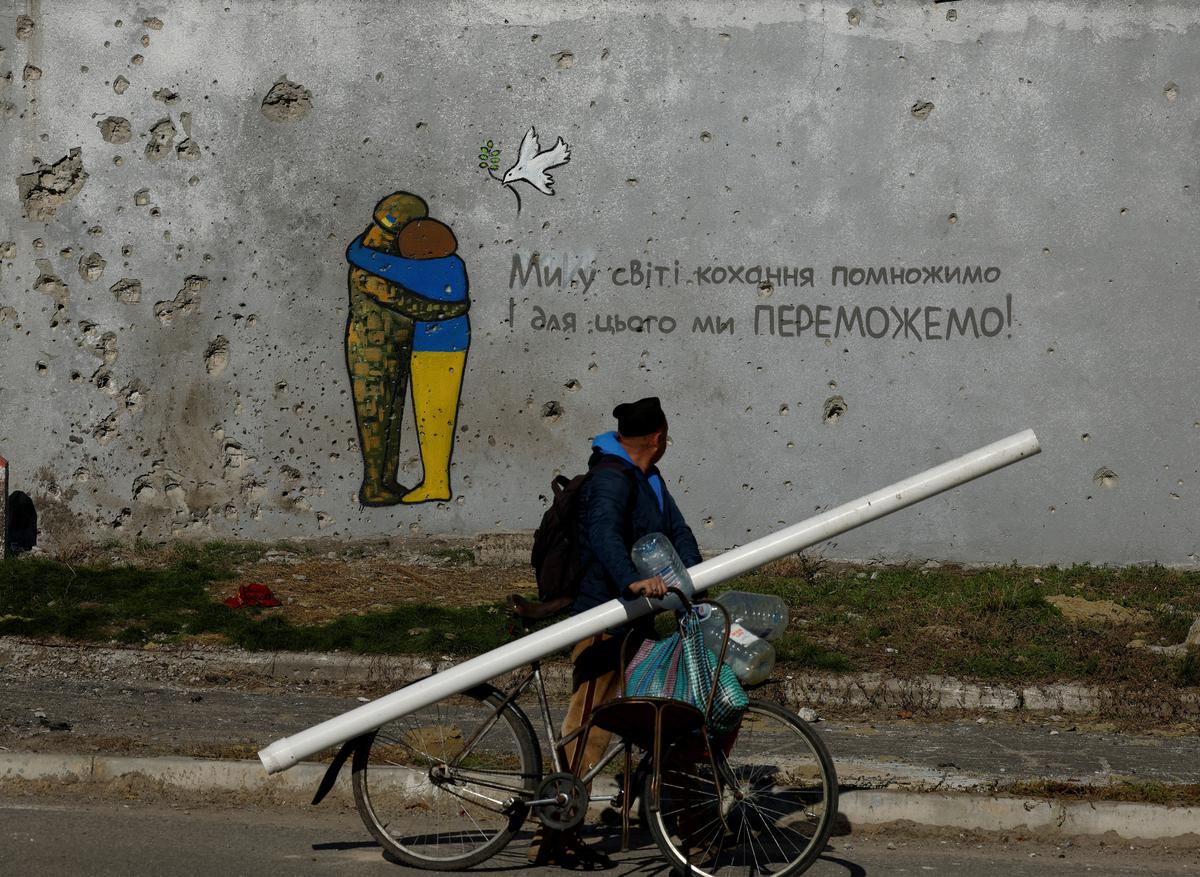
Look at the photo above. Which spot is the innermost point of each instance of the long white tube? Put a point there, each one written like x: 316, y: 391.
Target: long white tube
x: 284, y: 753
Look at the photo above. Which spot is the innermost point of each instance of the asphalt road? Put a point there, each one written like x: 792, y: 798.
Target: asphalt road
x: 56, y: 834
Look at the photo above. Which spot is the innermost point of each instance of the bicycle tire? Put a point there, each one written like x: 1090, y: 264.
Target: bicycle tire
x: 780, y: 824
x: 403, y: 771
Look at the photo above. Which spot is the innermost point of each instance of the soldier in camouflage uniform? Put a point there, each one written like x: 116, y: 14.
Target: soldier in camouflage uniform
x: 384, y: 317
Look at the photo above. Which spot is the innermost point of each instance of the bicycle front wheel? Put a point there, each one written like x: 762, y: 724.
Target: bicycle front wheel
x: 771, y: 812
x: 445, y: 787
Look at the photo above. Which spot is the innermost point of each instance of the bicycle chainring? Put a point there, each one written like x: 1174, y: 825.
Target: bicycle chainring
x: 570, y: 802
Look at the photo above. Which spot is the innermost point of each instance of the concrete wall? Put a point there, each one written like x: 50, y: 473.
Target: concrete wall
x: 183, y: 179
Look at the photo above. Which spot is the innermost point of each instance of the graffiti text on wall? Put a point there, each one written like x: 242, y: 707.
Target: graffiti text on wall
x: 934, y: 321
x: 648, y: 274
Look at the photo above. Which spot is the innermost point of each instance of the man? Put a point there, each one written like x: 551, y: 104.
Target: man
x: 621, y: 501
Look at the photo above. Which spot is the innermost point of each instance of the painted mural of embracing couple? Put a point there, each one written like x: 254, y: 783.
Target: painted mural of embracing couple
x: 407, y: 324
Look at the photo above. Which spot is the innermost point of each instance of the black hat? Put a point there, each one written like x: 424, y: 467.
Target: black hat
x: 639, y: 418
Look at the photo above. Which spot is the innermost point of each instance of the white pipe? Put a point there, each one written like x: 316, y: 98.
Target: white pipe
x: 284, y: 753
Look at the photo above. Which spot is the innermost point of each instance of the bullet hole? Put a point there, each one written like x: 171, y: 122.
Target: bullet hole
x: 154, y: 211
x: 833, y: 385
x: 951, y: 15
x: 76, y: 377
x: 49, y: 283
x: 141, y: 197
x: 784, y: 410
x: 572, y: 385
x: 604, y: 53
x: 952, y: 218
x: 491, y: 440
x: 145, y: 41
x: 168, y: 97
x: 127, y: 290
x: 1084, y: 438
x: 127, y: 251
x: 287, y: 102
x: 766, y: 289
x: 42, y: 367
x: 564, y: 60
x: 8, y: 249
x: 39, y: 244
x: 193, y: 180
x: 535, y: 37
x: 835, y: 407
x: 1170, y: 92
x: 31, y: 73
x: 95, y: 231
x: 854, y: 16
x: 50, y: 186
x: 1105, y: 477
x: 921, y: 109
x: 8, y: 314
x: 708, y: 523
x: 153, y: 23
x: 120, y: 84
x: 186, y: 301
x: 106, y: 430
x: 137, y: 60
x: 118, y: 23
x: 216, y: 357
x: 631, y: 182
x: 25, y: 26
x: 551, y: 412
x: 705, y: 137
x: 162, y: 138
x: 105, y: 349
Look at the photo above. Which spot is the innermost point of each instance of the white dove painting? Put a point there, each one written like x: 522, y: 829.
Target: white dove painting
x: 532, y: 165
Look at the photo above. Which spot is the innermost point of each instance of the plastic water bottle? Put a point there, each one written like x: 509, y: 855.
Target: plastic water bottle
x: 750, y: 656
x: 654, y: 555
x: 762, y: 614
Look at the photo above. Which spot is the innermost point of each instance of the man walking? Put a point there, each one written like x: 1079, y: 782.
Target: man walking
x: 623, y: 499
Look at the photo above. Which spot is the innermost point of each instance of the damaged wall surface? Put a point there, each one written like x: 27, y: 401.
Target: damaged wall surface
x: 299, y: 269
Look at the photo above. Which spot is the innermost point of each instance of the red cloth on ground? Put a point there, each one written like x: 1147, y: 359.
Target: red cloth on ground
x: 253, y: 594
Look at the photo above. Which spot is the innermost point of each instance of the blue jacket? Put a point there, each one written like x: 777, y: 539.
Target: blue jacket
x: 605, y: 537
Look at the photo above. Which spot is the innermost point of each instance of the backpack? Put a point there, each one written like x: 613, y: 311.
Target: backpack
x: 555, y: 555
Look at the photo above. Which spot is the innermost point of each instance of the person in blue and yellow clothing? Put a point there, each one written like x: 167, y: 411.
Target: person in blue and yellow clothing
x: 408, y: 319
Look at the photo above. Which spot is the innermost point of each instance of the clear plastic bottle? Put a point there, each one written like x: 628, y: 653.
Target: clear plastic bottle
x: 654, y: 555
x: 762, y: 614
x: 751, y: 657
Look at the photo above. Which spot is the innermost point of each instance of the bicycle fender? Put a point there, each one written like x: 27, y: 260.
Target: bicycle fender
x: 335, y: 767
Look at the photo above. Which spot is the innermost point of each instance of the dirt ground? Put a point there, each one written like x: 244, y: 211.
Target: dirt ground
x: 315, y: 590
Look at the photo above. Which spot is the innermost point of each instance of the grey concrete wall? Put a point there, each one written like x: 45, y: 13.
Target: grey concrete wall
x: 191, y: 378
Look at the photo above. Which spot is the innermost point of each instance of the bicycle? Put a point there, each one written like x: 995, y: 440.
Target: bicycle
x: 762, y: 801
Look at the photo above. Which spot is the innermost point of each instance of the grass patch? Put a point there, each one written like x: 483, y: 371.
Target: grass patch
x: 454, y: 556
x: 991, y: 624
x: 136, y: 605
x: 1181, y: 795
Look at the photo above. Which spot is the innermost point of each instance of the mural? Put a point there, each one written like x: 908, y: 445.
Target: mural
x: 407, y: 324
x: 531, y: 166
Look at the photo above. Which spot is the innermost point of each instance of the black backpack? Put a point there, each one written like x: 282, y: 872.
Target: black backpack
x: 555, y: 555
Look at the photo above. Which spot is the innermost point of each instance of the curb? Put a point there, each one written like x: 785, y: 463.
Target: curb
x: 857, y: 808
x: 967, y: 812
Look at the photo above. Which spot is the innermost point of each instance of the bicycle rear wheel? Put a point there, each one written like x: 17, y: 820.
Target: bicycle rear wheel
x: 445, y: 787
x: 776, y: 807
